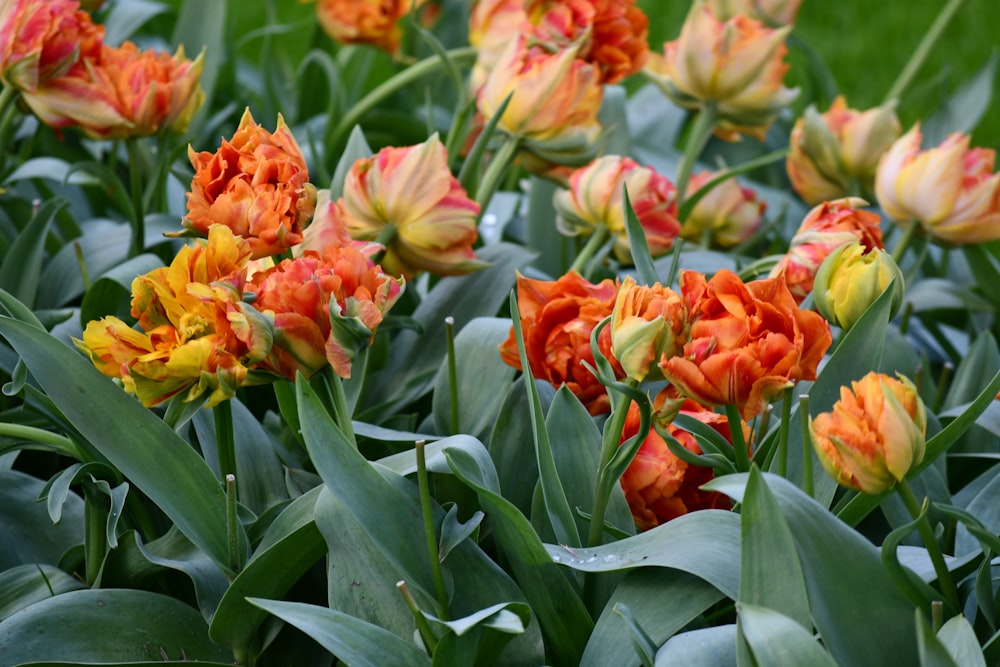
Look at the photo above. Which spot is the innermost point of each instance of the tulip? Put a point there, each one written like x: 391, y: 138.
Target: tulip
x: 835, y: 154
x: 727, y: 216
x: 850, y: 280
x: 408, y: 199
x: 735, y: 65
x: 950, y: 190
x: 256, y: 184
x: 825, y: 228
x: 873, y: 435
x: 557, y: 319
x: 648, y: 324
x: 594, y: 201
x: 492, y: 26
x: 748, y: 342
x: 43, y: 39
x: 554, y: 102
x: 373, y: 22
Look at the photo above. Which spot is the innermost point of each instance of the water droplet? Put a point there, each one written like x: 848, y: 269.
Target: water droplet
x: 591, y: 559
x: 556, y: 559
x: 610, y: 558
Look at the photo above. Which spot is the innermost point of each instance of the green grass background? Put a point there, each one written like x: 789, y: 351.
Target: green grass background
x: 866, y: 44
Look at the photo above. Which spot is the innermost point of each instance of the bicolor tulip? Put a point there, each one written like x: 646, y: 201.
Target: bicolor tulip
x: 851, y: 279
x: 950, y: 190
x: 595, y: 198
x: 873, y: 435
x: 256, y: 184
x: 408, y: 199
x: 648, y: 325
x: 836, y: 153
x: 748, y: 342
x: 557, y: 319
x: 728, y: 215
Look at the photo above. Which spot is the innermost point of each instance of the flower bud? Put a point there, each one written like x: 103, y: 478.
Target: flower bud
x: 873, y: 435
x: 727, y: 216
x: 648, y: 324
x: 850, y: 279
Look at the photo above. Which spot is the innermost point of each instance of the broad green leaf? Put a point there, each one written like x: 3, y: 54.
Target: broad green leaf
x: 111, y: 293
x: 22, y: 265
x: 105, y: 626
x: 127, y: 17
x: 479, y: 637
x: 859, y: 630
x: 704, y: 543
x: 641, y: 641
x: 454, y: 532
x: 175, y: 551
x: 51, y: 168
x: 963, y: 109
x: 958, y: 637
x: 351, y: 639
x: 102, y: 247
x: 564, y: 619
x: 482, y: 378
x: 24, y: 585
x: 931, y: 651
x: 511, y: 446
x: 356, y: 149
x: 133, y: 439
x: 770, y: 573
x: 644, y: 590
x: 509, y: 617
x: 779, y: 641
x: 10, y: 306
x: 202, y: 27
x: 554, y: 252
x: 29, y: 534
x: 983, y: 506
x: 644, y: 266
x: 290, y: 546
x: 707, y: 647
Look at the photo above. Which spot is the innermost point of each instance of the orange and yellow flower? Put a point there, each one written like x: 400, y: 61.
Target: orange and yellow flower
x: 197, y: 334
x: 727, y: 216
x: 326, y: 307
x: 492, y: 26
x: 557, y: 318
x: 825, y: 228
x: 658, y: 485
x: 873, y: 435
x: 256, y: 184
x: 648, y: 324
x: 950, y: 190
x: 835, y: 154
x: 408, y: 199
x: 373, y: 22
x: 748, y: 342
x: 595, y: 198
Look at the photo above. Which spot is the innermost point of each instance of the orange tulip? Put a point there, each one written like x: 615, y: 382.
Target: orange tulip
x: 300, y: 293
x: 826, y: 228
x: 748, y: 342
x: 658, y: 485
x: 728, y: 215
x: 835, y: 154
x: 44, y: 39
x: 735, y: 64
x: 874, y: 434
x: 648, y: 324
x: 197, y: 333
x: 408, y: 199
x: 256, y: 184
x: 594, y: 200
x: 950, y: 190
x: 557, y: 318
x: 373, y: 22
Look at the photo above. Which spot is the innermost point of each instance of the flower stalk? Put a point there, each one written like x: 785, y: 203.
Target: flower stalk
x: 449, y: 327
x: 594, y: 242
x: 697, y: 140
x: 739, y: 442
x: 135, y: 191
x: 919, y: 514
x: 430, y: 531
x: 225, y: 443
x: 927, y: 44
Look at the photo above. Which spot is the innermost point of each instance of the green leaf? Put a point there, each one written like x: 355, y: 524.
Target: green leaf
x: 644, y: 590
x: 859, y: 630
x: 202, y: 27
x: 511, y: 446
x: 29, y: 534
x: 454, y: 532
x: 707, y: 647
x: 770, y: 573
x: 959, y: 639
x: 482, y: 378
x: 103, y: 246
x: 931, y: 651
x: 127, y: 17
x: 964, y: 109
x: 779, y: 641
x: 105, y: 626
x: 10, y: 306
x: 356, y: 149
x: 351, y: 639
x: 111, y: 293
x: 25, y: 585
x: 133, y: 439
x: 641, y: 641
x: 637, y: 243
x: 22, y: 264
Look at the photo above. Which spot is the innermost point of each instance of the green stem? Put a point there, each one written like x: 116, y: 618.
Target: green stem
x: 57, y: 443
x: 786, y: 418
x: 945, y: 581
x: 736, y: 435
x: 341, y: 409
x: 430, y: 532
x: 697, y: 140
x: 609, y: 445
x: 807, y: 453
x: 919, y: 56
x: 423, y: 627
x: 135, y: 191
x: 225, y: 444
x: 449, y: 327
x: 904, y: 241
x: 7, y: 110
x: 496, y: 170
x: 95, y: 522
x: 596, y: 239
x: 232, y: 526
x: 404, y: 78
